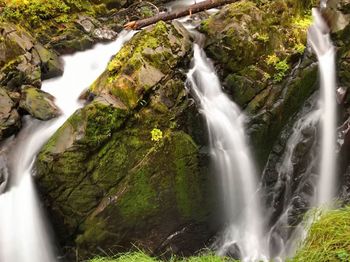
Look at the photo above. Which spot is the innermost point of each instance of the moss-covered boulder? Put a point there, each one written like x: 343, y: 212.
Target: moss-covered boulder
x: 38, y: 103
x: 143, y: 62
x: 125, y: 169
x: 259, y: 48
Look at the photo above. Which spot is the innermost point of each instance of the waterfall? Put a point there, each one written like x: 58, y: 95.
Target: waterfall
x: 320, y: 41
x: 232, y: 160
x: 297, y: 190
x: 293, y: 192
x: 23, y: 234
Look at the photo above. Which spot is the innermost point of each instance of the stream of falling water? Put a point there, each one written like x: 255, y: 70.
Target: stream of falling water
x: 319, y: 39
x: 285, y: 238
x: 232, y: 160
x: 23, y: 234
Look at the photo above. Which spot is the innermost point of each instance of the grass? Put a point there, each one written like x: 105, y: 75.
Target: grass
x: 143, y: 257
x: 328, y: 238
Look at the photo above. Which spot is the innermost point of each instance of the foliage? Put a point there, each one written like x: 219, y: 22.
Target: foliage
x: 156, y: 134
x: 37, y: 10
x: 272, y: 59
x: 263, y: 37
x: 299, y: 48
x: 142, y: 257
x: 303, y: 21
x: 328, y: 238
x: 281, y: 67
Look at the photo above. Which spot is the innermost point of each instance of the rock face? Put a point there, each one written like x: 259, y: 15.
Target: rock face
x: 125, y: 169
x: 259, y: 50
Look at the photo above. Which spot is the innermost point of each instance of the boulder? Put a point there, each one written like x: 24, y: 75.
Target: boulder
x: 128, y: 161
x: 38, y: 103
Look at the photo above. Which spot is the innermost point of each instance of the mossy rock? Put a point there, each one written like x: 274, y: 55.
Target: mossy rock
x: 38, y: 103
x: 104, y: 180
x: 143, y: 62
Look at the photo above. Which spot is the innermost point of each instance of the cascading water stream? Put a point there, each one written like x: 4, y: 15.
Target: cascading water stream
x: 233, y: 163
x: 23, y: 235
x: 320, y: 41
x: 296, y: 182
x: 310, y: 190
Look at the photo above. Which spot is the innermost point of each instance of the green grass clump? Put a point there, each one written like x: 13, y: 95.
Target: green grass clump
x: 143, y: 257
x: 328, y: 238
x: 127, y: 257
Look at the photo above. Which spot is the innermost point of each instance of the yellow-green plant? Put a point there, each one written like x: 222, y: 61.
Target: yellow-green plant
x: 156, y: 134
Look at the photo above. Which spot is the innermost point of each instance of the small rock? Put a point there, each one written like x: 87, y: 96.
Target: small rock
x: 10, y: 121
x: 104, y: 34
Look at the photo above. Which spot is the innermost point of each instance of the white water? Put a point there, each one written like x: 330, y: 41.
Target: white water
x: 23, y: 234
x: 319, y: 39
x: 232, y: 160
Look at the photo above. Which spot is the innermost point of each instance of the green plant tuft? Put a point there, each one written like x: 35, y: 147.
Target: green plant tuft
x: 156, y: 134
x: 328, y: 238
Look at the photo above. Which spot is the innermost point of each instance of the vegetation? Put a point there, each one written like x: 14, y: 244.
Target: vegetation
x: 37, y: 10
x: 281, y: 67
x: 142, y: 257
x: 156, y: 134
x: 328, y: 238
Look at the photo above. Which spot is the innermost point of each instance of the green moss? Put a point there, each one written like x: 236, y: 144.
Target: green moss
x: 328, y: 238
x: 94, y: 229
x: 140, y: 200
x: 187, y: 178
x: 36, y: 12
x: 142, y: 63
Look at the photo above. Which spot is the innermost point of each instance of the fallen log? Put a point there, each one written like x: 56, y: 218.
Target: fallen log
x: 189, y: 10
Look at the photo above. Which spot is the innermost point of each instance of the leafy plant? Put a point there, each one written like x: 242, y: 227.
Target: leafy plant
x: 156, y: 134
x: 262, y: 37
x: 303, y: 22
x: 281, y: 67
x: 299, y: 48
x: 272, y: 59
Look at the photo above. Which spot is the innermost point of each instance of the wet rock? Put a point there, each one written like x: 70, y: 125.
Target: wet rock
x: 105, y: 34
x: 38, y: 103
x: 233, y: 251
x: 10, y: 121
